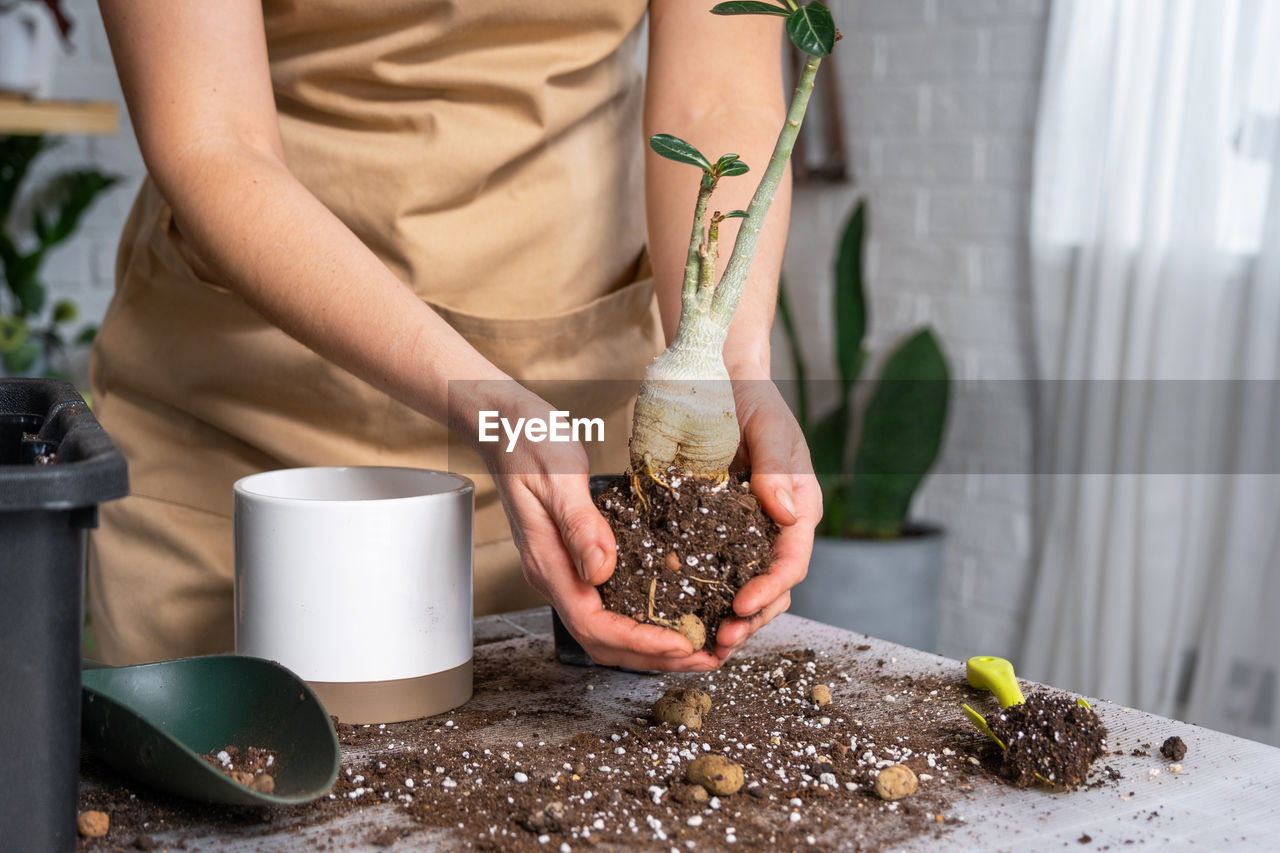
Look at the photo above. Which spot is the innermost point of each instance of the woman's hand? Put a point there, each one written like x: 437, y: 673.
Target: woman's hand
x: 567, y: 549
x: 782, y: 479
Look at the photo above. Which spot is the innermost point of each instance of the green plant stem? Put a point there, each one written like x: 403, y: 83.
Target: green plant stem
x: 734, y: 279
x: 707, y: 259
x: 693, y: 265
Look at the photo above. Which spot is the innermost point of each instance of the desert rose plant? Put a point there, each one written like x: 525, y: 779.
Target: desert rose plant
x: 685, y: 432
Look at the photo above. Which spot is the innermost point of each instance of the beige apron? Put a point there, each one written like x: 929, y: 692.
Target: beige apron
x: 489, y: 151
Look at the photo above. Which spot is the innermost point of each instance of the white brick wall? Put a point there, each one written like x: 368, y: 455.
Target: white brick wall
x: 83, y: 269
x: 940, y: 98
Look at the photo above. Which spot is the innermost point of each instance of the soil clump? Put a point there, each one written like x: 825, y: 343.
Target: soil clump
x: 1173, y: 748
x: 684, y: 551
x: 1049, y: 734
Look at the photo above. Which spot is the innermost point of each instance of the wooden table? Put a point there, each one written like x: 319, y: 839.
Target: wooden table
x: 1226, y: 795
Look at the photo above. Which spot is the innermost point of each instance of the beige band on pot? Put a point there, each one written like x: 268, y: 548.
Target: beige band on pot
x: 359, y: 702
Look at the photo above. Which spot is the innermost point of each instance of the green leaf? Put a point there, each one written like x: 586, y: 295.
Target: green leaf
x: 64, y: 311
x: 850, y: 299
x: 725, y: 160
x: 16, y: 155
x: 22, y: 358
x: 812, y: 29
x: 73, y: 193
x: 87, y: 335
x: 675, y: 148
x: 13, y: 333
x: 27, y: 289
x: 835, y: 505
x: 737, y: 167
x: 748, y: 7
x: 829, y: 442
x: 39, y: 226
x: 902, y: 431
x: 742, y: 214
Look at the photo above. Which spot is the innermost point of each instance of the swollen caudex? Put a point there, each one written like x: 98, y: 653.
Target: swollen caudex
x: 689, y: 427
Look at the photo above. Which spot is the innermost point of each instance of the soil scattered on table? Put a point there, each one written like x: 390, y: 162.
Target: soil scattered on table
x: 504, y: 780
x: 1173, y: 748
x: 1049, y: 734
x: 684, y: 552
x: 526, y: 767
x: 252, y: 766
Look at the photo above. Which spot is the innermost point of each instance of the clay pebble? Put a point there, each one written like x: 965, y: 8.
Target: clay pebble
x: 895, y: 782
x: 93, y: 824
x: 693, y: 630
x: 721, y: 776
x: 677, y: 713
x: 692, y: 696
x: 690, y: 795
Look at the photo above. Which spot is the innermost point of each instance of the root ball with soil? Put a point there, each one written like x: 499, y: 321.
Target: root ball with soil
x: 1049, y: 736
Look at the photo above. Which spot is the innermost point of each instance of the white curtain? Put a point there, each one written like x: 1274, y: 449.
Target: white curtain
x: 1156, y: 291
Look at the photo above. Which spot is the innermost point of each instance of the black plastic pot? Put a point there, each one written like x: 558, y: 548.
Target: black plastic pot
x: 568, y: 650
x: 56, y: 465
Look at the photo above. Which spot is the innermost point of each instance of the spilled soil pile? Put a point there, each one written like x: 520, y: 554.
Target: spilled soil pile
x: 1051, y: 735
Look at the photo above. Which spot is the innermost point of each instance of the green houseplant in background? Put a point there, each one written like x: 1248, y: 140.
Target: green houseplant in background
x: 35, y: 336
x: 873, y: 570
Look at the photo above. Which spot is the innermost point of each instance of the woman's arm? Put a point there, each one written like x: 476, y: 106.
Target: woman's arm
x: 717, y: 82
x: 196, y: 78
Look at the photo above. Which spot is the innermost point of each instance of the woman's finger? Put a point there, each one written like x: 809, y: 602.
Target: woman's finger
x: 791, y: 551
x: 735, y: 632
x: 585, y: 533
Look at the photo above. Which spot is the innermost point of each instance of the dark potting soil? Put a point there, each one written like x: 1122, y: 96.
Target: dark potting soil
x: 252, y: 766
x: 1050, y: 734
x: 687, y: 552
x: 1173, y: 748
x: 528, y: 765
x: 624, y: 784
x: 499, y: 780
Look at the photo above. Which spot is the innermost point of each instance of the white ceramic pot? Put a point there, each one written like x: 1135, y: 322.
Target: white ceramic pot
x: 888, y: 588
x: 28, y: 45
x: 360, y: 581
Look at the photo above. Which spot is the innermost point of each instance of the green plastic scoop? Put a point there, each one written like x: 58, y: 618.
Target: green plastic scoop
x: 153, y: 722
x: 996, y: 675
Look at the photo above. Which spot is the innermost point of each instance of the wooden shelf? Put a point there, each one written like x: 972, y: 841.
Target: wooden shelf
x: 22, y: 115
